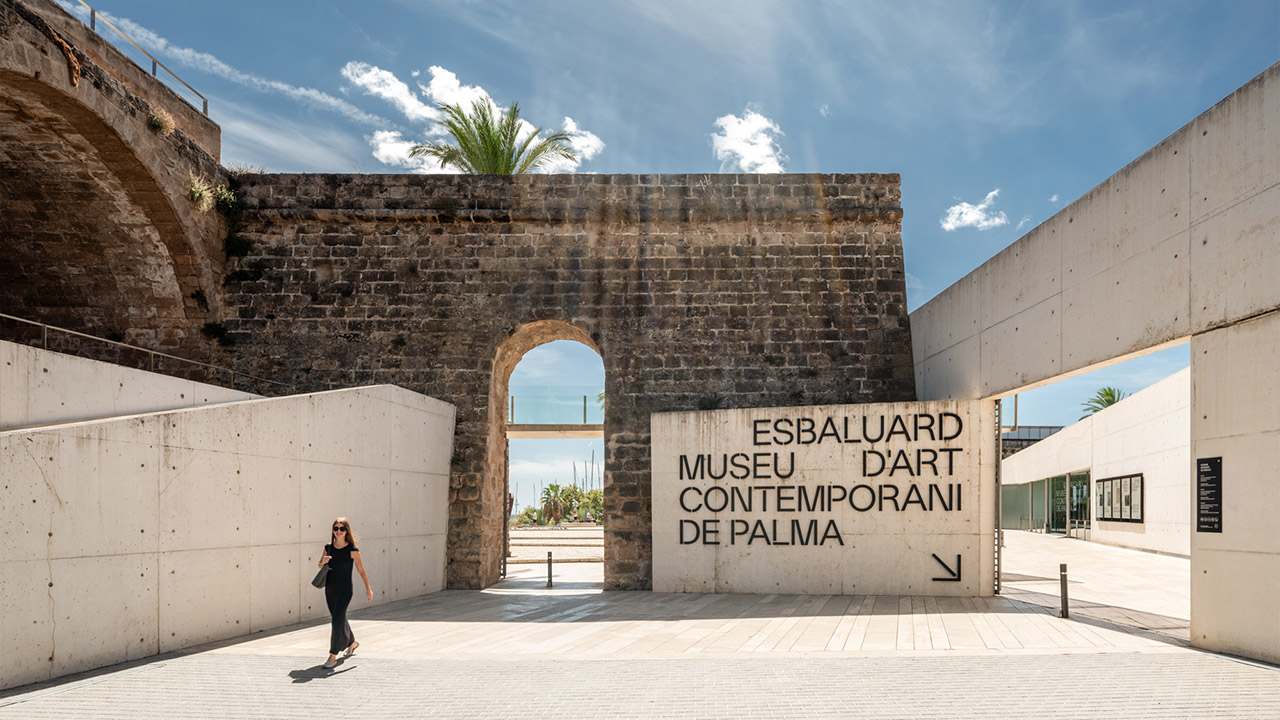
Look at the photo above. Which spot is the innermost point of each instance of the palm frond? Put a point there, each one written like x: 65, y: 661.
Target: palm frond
x: 487, y: 145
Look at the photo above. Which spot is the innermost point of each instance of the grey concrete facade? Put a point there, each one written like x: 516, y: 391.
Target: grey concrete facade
x: 1183, y: 242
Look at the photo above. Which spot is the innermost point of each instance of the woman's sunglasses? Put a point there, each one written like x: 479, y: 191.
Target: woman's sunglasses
x: 339, y: 528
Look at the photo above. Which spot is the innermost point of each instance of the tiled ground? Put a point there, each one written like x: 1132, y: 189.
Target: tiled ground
x: 523, y: 650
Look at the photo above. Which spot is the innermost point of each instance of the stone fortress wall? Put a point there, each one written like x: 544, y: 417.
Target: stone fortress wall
x: 96, y: 227
x: 699, y: 291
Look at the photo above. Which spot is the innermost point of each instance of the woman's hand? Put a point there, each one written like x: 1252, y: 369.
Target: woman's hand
x: 324, y: 560
x: 369, y: 592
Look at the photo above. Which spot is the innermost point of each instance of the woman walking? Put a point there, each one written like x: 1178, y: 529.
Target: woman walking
x: 341, y: 553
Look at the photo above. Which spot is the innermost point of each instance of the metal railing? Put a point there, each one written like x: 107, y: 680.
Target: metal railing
x: 548, y: 409
x: 93, y: 25
x: 151, y: 355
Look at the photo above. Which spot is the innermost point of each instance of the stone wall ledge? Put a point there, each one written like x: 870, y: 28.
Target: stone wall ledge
x: 604, y: 214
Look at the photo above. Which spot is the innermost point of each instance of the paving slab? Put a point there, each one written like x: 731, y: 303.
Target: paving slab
x: 523, y: 650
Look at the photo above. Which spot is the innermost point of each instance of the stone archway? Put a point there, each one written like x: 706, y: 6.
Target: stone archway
x: 493, y: 486
x: 698, y: 292
x: 95, y: 226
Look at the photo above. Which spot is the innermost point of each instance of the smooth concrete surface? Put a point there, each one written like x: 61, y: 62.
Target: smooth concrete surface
x: 1181, y: 241
x: 39, y: 387
x: 140, y: 535
x: 1148, y: 432
x: 1235, y: 574
x: 904, y: 502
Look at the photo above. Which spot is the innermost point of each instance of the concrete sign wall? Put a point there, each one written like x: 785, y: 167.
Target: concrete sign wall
x: 883, y: 498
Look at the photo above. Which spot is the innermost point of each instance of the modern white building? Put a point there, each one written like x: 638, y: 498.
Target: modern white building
x: 1120, y: 477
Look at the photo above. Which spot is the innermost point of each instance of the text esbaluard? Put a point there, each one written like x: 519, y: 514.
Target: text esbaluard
x: 849, y: 499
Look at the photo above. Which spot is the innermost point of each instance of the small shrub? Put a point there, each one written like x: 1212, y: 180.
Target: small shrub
x: 399, y: 341
x: 200, y: 298
x: 225, y: 198
x: 161, y: 122
x: 200, y: 191
x: 235, y: 170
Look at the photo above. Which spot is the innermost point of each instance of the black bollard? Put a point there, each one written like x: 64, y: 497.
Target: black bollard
x: 1062, y: 577
x: 549, y: 568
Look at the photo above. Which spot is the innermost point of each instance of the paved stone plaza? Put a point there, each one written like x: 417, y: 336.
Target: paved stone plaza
x: 522, y: 650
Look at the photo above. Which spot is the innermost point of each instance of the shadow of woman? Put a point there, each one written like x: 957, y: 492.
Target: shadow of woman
x: 317, y: 672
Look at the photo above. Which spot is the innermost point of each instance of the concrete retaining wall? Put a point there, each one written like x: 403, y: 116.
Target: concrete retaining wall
x: 135, y: 536
x: 39, y: 387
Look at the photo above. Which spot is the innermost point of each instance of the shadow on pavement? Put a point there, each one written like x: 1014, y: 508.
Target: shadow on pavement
x: 318, y: 672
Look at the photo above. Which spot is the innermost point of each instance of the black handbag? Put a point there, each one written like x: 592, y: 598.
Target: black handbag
x: 321, y: 576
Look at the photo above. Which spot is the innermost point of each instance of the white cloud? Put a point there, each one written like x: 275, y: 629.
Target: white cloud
x: 540, y: 364
x: 204, y: 62
x: 978, y: 216
x: 1054, y: 198
x: 1026, y: 219
x: 445, y: 87
x: 748, y: 143
x: 586, y: 144
x: 392, y: 148
x: 824, y: 110
x: 381, y: 83
x: 285, y: 143
x: 914, y: 284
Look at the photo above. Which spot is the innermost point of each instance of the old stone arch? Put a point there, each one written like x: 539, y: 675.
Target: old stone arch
x: 505, y: 358
x: 96, y: 231
x: 698, y: 291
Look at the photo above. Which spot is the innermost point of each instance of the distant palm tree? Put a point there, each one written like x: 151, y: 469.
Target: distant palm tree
x: 489, y: 145
x: 1104, y: 398
x: 553, y: 502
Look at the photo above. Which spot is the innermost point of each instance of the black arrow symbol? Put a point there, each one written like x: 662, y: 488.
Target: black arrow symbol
x: 955, y: 574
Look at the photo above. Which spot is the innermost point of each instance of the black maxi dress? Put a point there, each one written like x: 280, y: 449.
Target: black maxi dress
x: 337, y: 593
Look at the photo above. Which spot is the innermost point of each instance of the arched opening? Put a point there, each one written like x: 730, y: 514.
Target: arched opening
x: 494, y: 487
x: 90, y: 239
x: 555, y: 464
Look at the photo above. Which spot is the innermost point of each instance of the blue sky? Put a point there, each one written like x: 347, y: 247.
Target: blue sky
x: 996, y: 114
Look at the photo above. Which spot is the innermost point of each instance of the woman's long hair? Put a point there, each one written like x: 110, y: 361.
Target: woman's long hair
x: 351, y: 534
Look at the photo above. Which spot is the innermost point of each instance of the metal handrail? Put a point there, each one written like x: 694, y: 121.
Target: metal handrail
x: 93, y: 25
x: 151, y: 354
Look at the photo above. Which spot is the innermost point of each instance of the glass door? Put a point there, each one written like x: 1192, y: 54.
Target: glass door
x: 1058, y: 504
x: 1038, y: 505
x: 1079, y: 499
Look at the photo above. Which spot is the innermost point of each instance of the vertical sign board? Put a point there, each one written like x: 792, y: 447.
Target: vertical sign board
x: 1209, y: 495
x: 847, y: 499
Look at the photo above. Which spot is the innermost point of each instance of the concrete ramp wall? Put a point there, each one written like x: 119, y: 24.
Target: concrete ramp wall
x: 38, y: 387
x: 129, y: 537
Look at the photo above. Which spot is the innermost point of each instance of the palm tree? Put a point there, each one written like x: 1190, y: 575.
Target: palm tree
x: 553, y: 502
x: 1105, y: 397
x: 488, y: 145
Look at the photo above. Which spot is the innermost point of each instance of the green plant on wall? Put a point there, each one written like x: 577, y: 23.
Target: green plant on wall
x: 161, y: 122
x: 200, y: 192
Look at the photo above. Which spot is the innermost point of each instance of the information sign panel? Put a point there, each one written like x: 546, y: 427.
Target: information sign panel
x: 1209, y: 495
